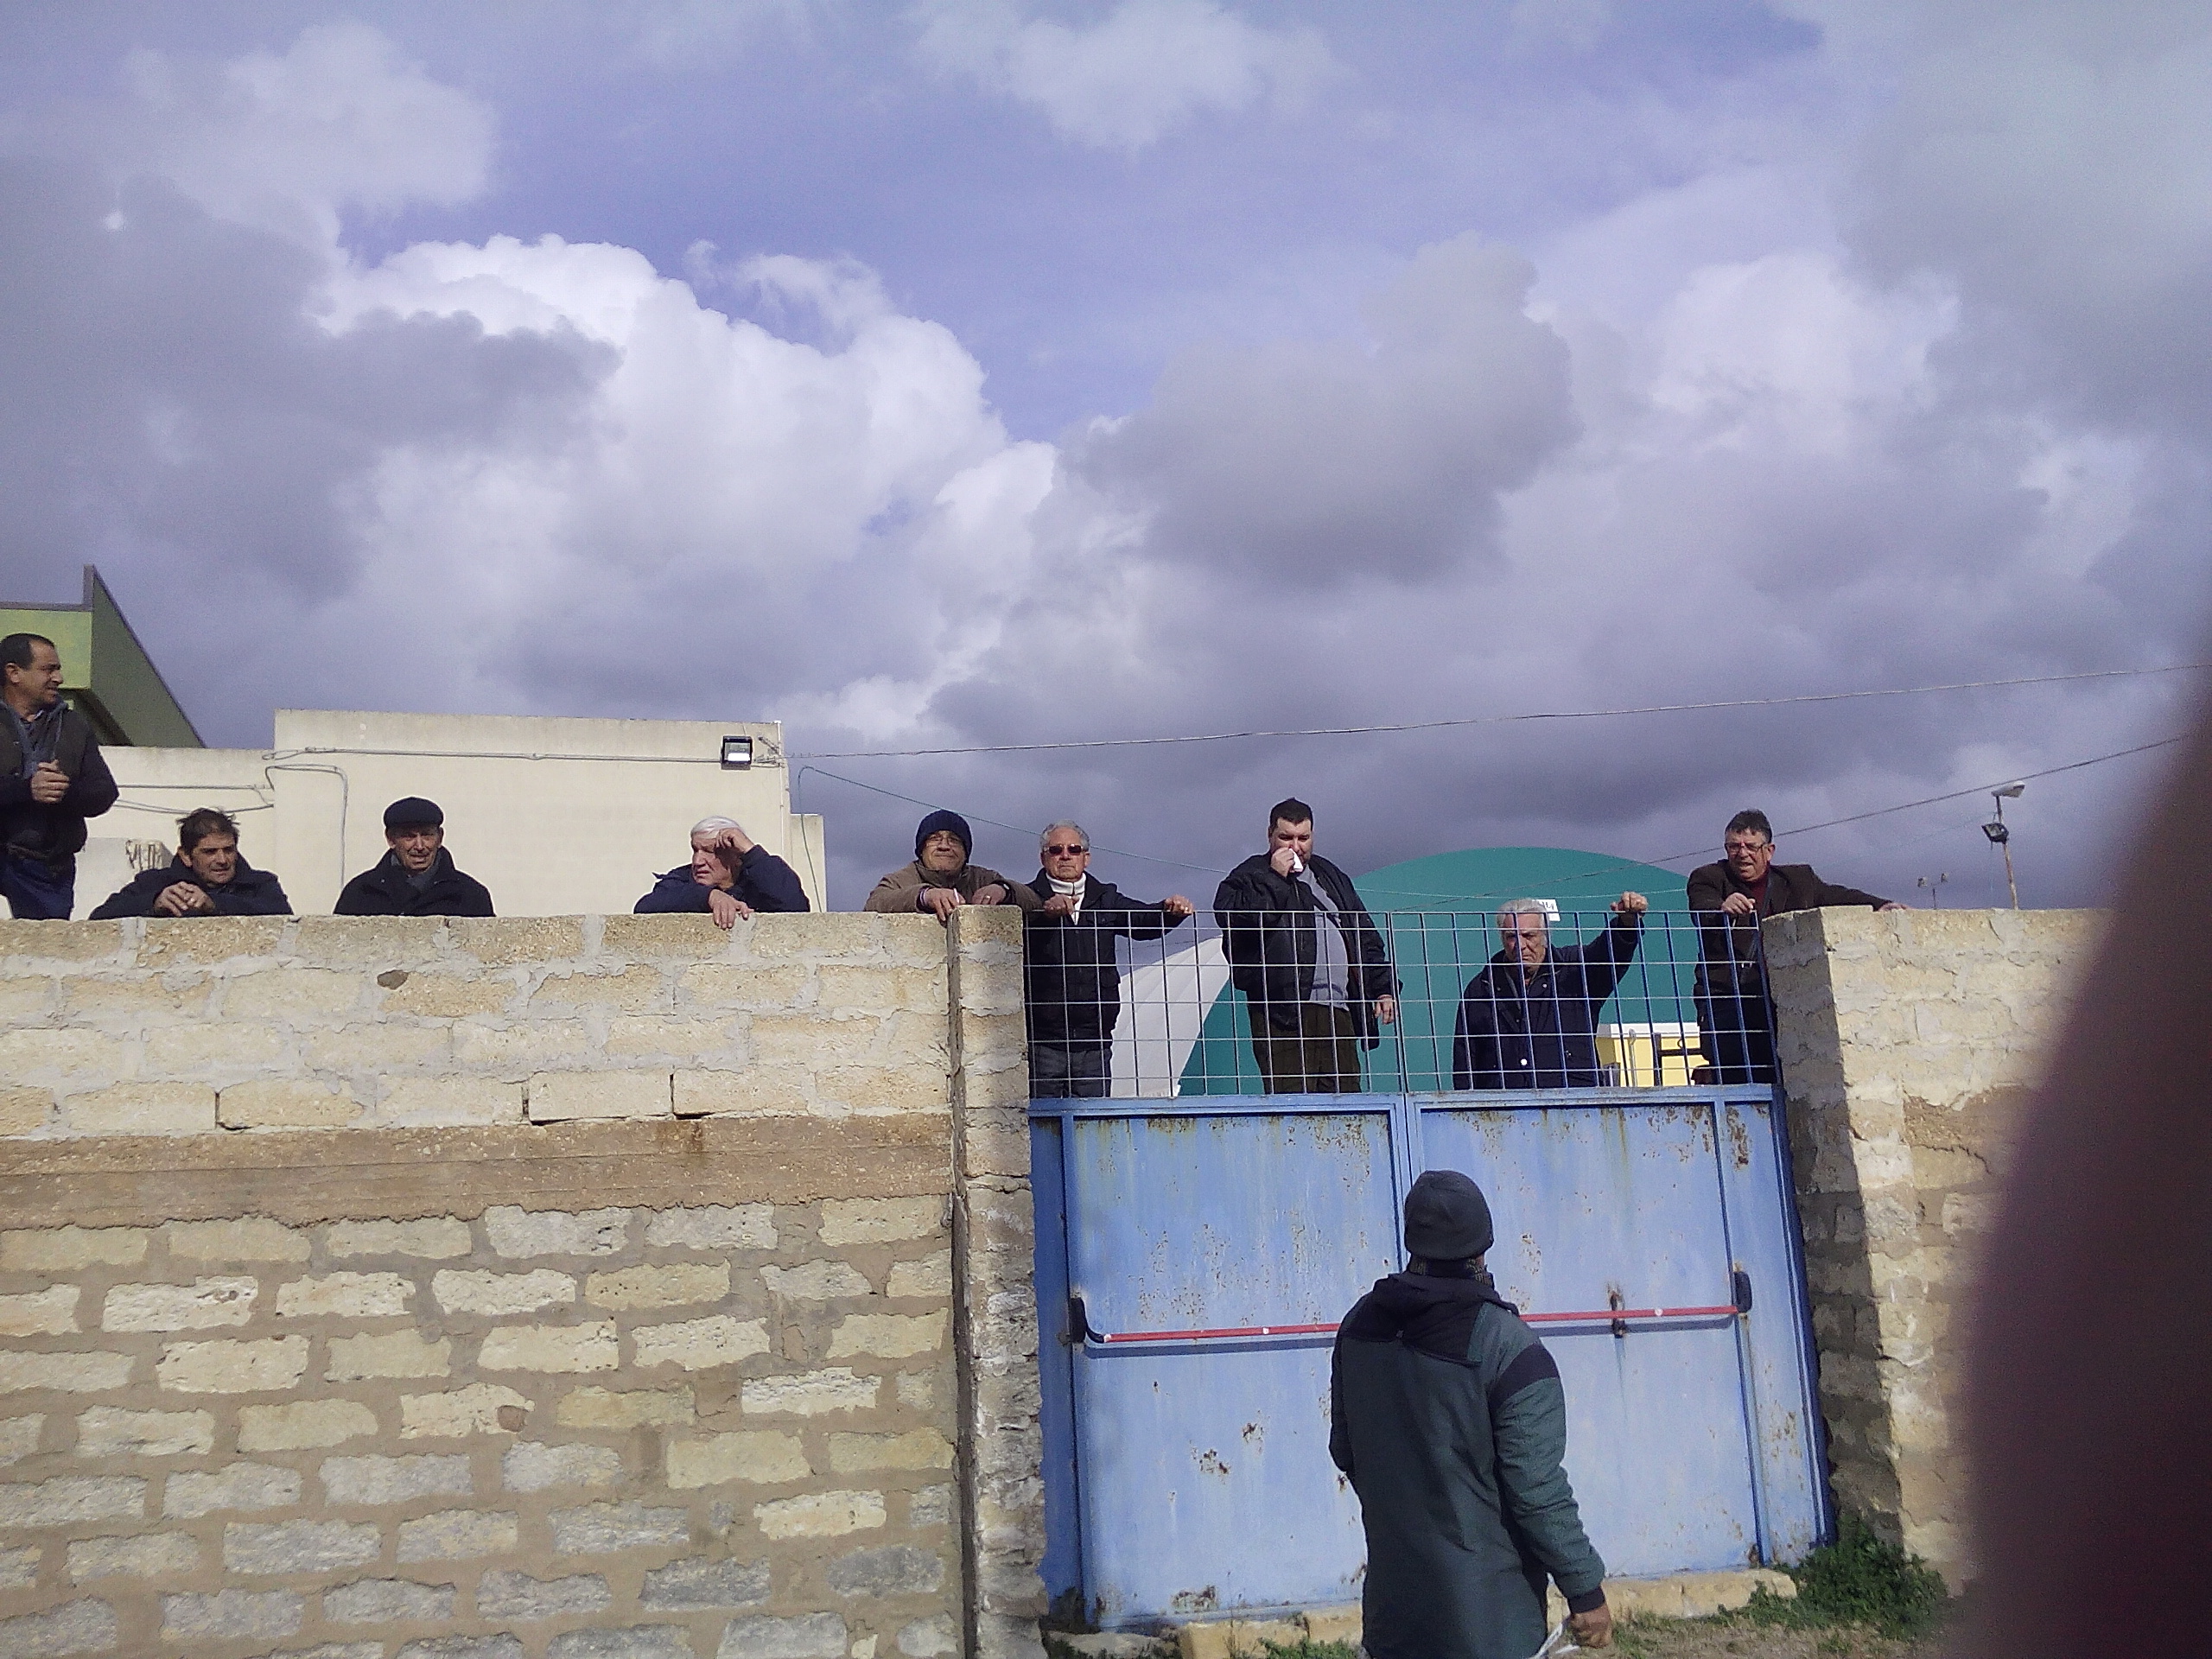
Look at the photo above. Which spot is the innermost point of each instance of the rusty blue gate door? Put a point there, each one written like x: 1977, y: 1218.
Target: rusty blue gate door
x: 1195, y: 1254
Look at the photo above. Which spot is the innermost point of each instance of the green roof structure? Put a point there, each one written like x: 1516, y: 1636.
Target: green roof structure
x: 105, y: 671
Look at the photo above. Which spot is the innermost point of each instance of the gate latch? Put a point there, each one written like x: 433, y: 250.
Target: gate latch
x: 1742, y: 1282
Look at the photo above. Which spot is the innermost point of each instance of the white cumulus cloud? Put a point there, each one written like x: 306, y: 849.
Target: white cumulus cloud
x: 1134, y: 75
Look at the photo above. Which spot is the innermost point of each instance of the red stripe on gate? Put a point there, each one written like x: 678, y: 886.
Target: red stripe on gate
x: 1598, y: 1315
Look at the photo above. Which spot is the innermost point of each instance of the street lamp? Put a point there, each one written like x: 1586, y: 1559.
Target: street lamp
x: 1935, y: 888
x: 2002, y: 837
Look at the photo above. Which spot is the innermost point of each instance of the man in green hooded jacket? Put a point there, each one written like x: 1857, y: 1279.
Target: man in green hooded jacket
x: 1448, y: 1418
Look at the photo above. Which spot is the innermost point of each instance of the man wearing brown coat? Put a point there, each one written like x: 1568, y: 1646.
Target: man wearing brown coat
x: 941, y: 880
x: 1731, y: 898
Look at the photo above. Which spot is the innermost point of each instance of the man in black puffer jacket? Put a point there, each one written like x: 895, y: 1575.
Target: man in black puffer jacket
x: 209, y: 879
x: 1316, y: 991
x: 417, y: 876
x: 1072, y: 976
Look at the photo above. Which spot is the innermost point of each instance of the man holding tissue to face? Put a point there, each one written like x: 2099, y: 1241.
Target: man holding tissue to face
x: 1302, y: 948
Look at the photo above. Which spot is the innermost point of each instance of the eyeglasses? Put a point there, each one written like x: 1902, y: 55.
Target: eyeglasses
x: 1057, y: 851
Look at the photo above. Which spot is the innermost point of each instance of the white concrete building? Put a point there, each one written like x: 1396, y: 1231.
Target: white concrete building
x: 556, y: 816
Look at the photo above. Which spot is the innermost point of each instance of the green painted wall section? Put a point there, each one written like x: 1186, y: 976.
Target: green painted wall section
x: 105, y: 671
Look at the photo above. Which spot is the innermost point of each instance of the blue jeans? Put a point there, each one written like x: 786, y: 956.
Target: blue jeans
x: 1064, y: 1071
x: 35, y: 891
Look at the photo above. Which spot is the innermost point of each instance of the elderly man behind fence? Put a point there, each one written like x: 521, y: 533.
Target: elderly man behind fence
x: 210, y: 878
x: 941, y: 880
x: 1316, y: 990
x: 1447, y: 1417
x: 1731, y: 899
x: 1073, y: 979
x: 730, y: 875
x: 1529, y: 1020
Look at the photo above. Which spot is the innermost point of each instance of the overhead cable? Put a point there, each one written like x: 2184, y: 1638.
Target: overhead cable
x: 1493, y: 720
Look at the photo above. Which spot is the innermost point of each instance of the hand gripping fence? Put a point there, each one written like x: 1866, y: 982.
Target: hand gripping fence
x: 1125, y: 1003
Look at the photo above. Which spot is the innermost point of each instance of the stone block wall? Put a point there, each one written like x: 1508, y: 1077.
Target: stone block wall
x: 1910, y: 1042
x: 701, y: 1407
x: 189, y: 1026
x: 533, y: 1289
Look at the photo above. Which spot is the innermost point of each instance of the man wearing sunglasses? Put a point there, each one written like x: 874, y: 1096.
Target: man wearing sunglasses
x: 1731, y: 899
x: 1074, y: 976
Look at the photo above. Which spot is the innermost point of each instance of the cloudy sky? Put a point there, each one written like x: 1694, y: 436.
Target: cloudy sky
x: 999, y: 372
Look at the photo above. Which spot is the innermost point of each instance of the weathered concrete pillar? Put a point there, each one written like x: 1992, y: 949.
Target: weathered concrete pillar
x: 1909, y: 1043
x: 995, y: 1239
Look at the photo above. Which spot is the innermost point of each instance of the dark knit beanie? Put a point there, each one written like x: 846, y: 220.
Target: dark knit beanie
x: 941, y: 819
x: 1447, y: 1218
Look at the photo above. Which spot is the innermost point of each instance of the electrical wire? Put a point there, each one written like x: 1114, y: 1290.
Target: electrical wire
x: 1491, y: 720
x: 1549, y: 881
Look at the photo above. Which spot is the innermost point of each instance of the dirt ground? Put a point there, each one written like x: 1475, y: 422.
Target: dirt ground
x: 1702, y: 1639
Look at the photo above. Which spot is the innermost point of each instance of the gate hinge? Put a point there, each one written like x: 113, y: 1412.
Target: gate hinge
x: 1742, y: 1282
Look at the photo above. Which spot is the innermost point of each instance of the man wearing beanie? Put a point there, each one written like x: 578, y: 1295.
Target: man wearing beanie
x: 941, y: 880
x: 1447, y: 1416
x: 416, y: 876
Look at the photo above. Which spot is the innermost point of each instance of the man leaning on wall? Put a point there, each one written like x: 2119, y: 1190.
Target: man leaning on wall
x: 1731, y: 898
x: 730, y: 876
x: 941, y: 879
x: 52, y: 778
x: 209, y: 878
x: 416, y: 876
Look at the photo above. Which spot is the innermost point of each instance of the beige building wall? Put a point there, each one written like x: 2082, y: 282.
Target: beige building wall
x: 1910, y: 1043
x: 558, y: 818
x: 531, y: 1289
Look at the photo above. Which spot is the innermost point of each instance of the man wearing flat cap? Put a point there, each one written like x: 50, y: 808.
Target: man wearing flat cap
x: 416, y: 877
x: 1447, y: 1417
x: 941, y: 880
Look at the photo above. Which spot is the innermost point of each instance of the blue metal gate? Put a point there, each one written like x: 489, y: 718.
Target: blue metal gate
x: 1194, y: 1254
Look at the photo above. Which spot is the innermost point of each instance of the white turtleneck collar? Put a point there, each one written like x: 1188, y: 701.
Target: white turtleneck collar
x: 1069, y: 889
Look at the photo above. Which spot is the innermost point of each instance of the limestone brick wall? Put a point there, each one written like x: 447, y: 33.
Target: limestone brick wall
x: 607, y: 1388
x: 580, y: 1285
x: 1002, y: 1487
x: 189, y: 1026
x: 1909, y: 1043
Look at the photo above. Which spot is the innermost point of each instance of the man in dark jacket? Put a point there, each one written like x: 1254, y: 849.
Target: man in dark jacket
x: 730, y: 875
x: 52, y: 778
x: 416, y: 877
x: 1529, y: 1020
x: 209, y: 879
x: 1447, y: 1417
x: 1073, y: 977
x: 1731, y: 899
x: 1317, y: 991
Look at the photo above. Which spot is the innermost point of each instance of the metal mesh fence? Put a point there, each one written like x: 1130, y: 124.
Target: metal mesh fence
x: 1285, y: 1002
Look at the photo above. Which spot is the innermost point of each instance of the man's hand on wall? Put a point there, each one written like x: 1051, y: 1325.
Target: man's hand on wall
x: 941, y: 902
x: 183, y: 899
x: 725, y: 909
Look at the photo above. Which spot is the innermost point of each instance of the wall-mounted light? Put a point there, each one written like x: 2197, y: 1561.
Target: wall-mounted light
x: 737, y: 755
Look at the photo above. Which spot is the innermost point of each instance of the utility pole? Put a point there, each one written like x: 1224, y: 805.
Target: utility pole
x: 2001, y: 838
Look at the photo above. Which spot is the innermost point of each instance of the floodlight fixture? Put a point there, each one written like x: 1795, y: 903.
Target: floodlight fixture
x: 737, y: 755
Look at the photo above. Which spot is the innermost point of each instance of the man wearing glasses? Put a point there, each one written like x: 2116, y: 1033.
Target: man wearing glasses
x: 1073, y: 978
x: 1731, y: 898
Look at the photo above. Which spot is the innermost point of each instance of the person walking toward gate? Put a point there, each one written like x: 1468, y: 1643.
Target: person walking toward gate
x: 1447, y: 1417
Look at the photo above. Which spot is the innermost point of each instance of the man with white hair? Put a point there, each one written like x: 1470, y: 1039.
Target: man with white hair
x: 1073, y: 979
x: 1529, y: 1020
x: 730, y: 875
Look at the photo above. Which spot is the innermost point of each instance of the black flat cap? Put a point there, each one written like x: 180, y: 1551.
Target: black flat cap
x: 1447, y: 1218
x: 412, y: 812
